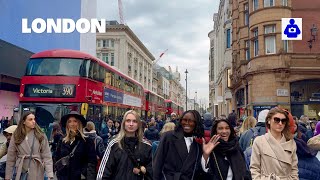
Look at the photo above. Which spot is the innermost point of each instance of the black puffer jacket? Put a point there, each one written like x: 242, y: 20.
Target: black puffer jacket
x: 83, y: 162
x: 98, y: 142
x: 152, y: 134
x: 207, y: 121
x: 117, y: 165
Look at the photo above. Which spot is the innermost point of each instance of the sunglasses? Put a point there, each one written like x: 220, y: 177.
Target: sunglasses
x: 277, y: 120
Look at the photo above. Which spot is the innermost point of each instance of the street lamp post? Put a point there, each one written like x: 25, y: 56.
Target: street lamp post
x: 194, y: 102
x: 186, y: 89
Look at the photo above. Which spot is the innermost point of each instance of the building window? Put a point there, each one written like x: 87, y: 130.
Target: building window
x: 285, y: 46
x: 269, y: 29
x: 112, y: 59
x: 108, y: 41
x: 99, y: 43
x: 104, y: 43
x: 255, y: 42
x: 112, y: 42
x: 247, y: 49
x: 268, y: 3
x: 284, y: 2
x: 255, y: 4
x: 228, y: 38
x: 270, y: 43
x: 105, y: 57
x: 246, y: 14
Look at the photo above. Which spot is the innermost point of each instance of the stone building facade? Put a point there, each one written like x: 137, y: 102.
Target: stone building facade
x: 220, y: 58
x: 268, y: 71
x: 122, y: 49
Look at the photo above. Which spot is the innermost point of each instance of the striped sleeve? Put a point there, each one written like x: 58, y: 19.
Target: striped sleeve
x: 105, y: 159
x: 146, y: 142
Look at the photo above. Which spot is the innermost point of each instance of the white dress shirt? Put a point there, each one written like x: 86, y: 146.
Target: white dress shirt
x: 188, y: 141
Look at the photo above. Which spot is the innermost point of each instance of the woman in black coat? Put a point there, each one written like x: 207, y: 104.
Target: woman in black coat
x: 128, y: 156
x: 83, y: 162
x: 222, y: 155
x: 178, y: 154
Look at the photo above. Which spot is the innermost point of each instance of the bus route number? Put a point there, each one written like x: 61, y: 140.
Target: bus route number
x: 67, y: 91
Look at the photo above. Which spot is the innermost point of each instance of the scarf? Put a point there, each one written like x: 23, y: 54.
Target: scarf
x: 130, y: 143
x: 231, y: 150
x: 227, y: 147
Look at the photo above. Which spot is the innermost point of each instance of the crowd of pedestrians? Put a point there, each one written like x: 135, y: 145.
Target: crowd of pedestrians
x: 276, y: 145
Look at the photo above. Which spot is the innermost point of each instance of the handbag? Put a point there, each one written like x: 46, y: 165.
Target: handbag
x: 24, y: 175
x: 65, y: 161
x: 215, y: 159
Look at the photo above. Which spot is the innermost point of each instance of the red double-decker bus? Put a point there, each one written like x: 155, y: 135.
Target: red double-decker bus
x: 154, y: 104
x: 173, y: 107
x: 58, y: 81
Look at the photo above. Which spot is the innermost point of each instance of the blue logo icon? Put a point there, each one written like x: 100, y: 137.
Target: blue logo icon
x: 291, y: 28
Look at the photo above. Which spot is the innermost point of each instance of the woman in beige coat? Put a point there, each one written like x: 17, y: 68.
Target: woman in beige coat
x: 20, y: 148
x: 274, y: 154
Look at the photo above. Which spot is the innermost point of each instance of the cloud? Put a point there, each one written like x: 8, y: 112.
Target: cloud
x: 180, y: 26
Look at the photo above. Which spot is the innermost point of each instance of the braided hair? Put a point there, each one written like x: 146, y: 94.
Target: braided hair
x: 198, y: 129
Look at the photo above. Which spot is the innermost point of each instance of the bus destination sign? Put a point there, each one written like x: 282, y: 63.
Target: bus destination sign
x: 50, y: 90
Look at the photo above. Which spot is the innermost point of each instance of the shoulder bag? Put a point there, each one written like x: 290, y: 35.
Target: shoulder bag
x: 64, y: 161
x: 24, y: 175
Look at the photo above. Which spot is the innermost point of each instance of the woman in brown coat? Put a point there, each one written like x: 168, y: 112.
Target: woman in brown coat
x: 274, y: 154
x: 20, y: 148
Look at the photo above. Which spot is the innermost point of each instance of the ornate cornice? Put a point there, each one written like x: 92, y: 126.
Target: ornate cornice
x: 131, y: 34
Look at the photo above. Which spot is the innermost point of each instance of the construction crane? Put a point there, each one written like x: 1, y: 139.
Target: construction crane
x: 155, y: 62
x: 120, y: 12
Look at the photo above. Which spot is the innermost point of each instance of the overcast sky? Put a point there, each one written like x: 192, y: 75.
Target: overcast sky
x: 182, y: 26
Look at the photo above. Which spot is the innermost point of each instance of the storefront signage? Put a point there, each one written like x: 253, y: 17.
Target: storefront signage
x: 314, y: 99
x: 131, y: 100
x: 283, y: 92
x: 50, y: 90
x: 111, y: 95
x: 262, y: 107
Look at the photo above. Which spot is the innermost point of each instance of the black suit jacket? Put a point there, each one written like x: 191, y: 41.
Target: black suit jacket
x: 173, y: 161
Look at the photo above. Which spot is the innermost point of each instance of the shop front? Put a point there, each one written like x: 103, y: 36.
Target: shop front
x: 305, y: 98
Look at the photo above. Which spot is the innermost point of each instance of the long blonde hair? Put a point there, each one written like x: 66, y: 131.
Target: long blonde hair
x: 122, y: 132
x: 248, y: 123
x: 68, y: 137
x: 21, y: 131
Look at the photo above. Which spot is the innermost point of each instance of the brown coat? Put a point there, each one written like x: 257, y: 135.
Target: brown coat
x: 18, y: 157
x: 271, y: 158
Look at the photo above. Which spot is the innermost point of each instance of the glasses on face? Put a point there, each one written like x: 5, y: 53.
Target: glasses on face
x: 277, y: 120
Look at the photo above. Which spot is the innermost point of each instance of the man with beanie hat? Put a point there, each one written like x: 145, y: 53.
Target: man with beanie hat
x: 260, y: 129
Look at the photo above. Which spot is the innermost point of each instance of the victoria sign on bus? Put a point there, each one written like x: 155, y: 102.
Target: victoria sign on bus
x: 50, y: 90
x: 64, y: 25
